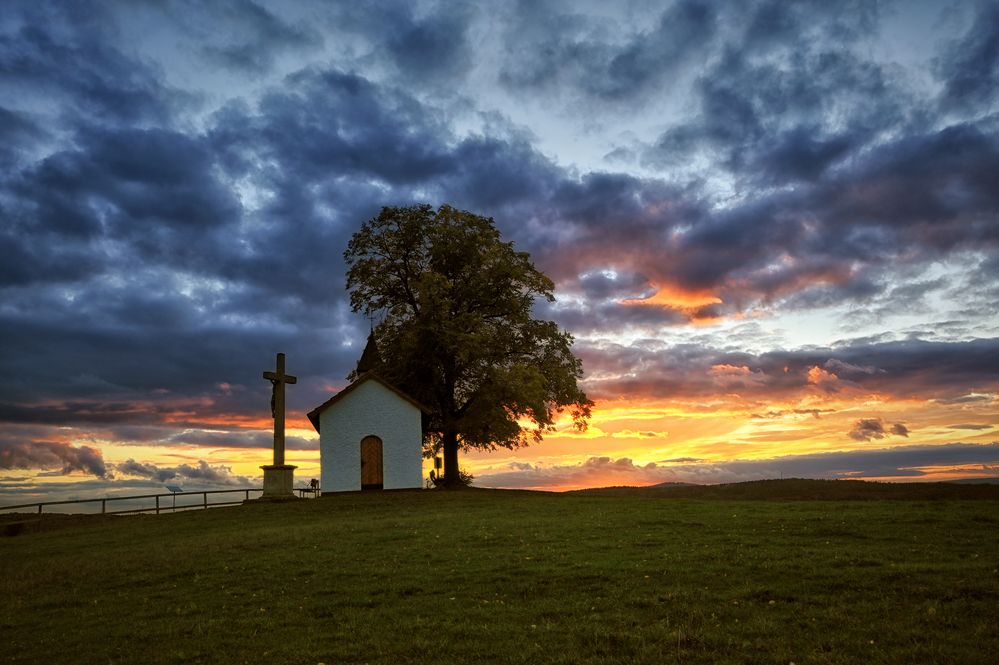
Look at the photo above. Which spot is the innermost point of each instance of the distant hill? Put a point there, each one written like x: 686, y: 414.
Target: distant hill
x: 801, y: 489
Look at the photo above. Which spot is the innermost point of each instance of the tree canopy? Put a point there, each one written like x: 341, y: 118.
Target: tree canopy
x: 458, y: 333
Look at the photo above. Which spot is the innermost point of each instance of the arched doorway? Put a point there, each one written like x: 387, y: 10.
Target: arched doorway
x: 372, y: 477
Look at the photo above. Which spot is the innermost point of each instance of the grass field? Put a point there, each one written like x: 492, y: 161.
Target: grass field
x: 519, y: 577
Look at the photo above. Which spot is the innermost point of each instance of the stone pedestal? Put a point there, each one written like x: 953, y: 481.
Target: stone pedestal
x: 279, y: 482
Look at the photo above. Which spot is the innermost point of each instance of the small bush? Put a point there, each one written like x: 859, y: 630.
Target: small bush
x: 464, y: 477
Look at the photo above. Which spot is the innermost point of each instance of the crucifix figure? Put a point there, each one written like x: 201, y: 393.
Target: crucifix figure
x: 278, y: 380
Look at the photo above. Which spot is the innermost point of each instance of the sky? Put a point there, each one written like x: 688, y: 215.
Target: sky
x: 772, y: 227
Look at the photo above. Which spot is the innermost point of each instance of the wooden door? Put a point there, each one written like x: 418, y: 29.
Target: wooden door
x: 371, y: 463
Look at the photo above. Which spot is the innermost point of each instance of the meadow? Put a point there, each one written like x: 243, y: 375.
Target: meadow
x: 510, y: 577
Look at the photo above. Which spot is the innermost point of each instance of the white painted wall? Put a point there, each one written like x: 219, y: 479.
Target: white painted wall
x: 370, y: 409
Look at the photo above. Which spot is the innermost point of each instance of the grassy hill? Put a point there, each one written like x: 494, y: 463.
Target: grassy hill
x: 503, y: 576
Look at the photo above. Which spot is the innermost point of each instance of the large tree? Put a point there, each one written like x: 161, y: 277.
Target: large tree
x: 458, y: 333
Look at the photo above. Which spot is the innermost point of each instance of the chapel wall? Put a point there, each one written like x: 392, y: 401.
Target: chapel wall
x: 370, y: 409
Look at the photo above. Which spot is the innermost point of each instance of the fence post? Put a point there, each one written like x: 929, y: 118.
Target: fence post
x: 204, y: 495
x: 104, y: 506
x: 157, y: 504
x: 39, y: 509
x: 247, y: 495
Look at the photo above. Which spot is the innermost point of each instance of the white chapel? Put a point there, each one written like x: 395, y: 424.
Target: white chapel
x: 370, y: 433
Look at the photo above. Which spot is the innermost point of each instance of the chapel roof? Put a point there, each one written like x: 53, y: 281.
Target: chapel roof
x: 363, y: 378
x: 371, y: 359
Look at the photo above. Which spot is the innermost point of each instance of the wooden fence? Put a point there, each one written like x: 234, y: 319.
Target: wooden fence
x: 159, y: 506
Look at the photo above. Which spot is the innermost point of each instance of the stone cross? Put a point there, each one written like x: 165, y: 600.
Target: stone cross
x: 278, y: 379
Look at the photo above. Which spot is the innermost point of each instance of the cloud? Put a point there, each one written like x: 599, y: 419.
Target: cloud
x: 780, y: 413
x: 969, y: 398
x: 785, y: 101
x: 51, y: 455
x: 202, y: 473
x: 238, y: 439
x: 867, y: 429
x: 972, y: 426
x: 18, y: 133
x: 151, y: 191
x: 902, y: 462
x: 251, y: 38
x: 67, y: 54
x: 969, y: 66
x: 434, y: 47
x: 556, y: 50
x: 639, y: 434
x: 906, y: 369
x: 900, y: 429
x: 837, y: 365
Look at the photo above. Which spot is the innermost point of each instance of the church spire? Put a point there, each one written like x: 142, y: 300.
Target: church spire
x: 370, y: 358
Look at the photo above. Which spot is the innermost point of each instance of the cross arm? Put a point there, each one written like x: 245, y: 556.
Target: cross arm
x: 284, y: 378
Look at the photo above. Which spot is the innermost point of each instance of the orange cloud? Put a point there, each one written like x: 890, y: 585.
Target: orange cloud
x: 696, y: 304
x: 822, y: 378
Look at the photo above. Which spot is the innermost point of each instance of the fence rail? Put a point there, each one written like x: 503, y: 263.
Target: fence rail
x: 157, y: 508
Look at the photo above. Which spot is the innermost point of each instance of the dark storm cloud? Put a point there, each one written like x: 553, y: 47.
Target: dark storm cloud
x: 770, y: 24
x: 610, y: 221
x: 153, y: 189
x: 342, y: 136
x: 131, y: 375
x: 596, y: 318
x: 162, y: 283
x: 878, y: 181
x: 76, y: 413
x: 905, y: 202
x: 900, y: 462
x: 785, y: 119
x: 18, y: 133
x: 52, y: 455
x: 326, y: 123
x: 331, y: 147
x: 786, y: 97
x: 133, y: 274
x: 156, y: 197
x: 252, y: 36
x: 969, y: 66
x: 913, y: 368
x: 947, y: 176
x: 66, y: 53
x: 323, y: 169
x: 552, y: 49
x: 428, y: 44
x: 604, y: 284
x: 435, y: 46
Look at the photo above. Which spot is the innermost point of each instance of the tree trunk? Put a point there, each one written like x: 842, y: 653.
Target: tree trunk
x: 450, y: 442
